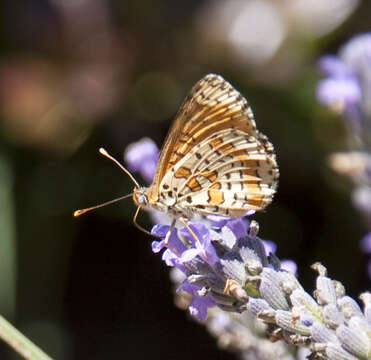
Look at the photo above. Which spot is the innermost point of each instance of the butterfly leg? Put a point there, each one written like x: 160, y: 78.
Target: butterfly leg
x: 140, y: 227
x: 167, y: 237
x: 184, y: 222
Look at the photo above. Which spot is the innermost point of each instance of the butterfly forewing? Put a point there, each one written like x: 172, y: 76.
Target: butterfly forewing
x: 212, y: 104
x: 214, y: 160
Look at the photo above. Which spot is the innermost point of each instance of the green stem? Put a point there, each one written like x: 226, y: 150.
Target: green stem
x: 19, y: 342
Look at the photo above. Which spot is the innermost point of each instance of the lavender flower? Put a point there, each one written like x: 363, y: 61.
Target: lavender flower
x: 341, y: 89
x: 232, y: 280
x: 242, y: 279
x: 142, y: 156
x: 366, y: 248
x: 347, y: 88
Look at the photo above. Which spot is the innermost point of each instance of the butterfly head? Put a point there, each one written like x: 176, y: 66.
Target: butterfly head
x: 140, y: 196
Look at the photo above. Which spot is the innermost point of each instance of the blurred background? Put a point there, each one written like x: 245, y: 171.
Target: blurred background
x: 76, y: 75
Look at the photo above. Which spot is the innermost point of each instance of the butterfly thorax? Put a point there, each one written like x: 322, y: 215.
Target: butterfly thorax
x: 143, y: 197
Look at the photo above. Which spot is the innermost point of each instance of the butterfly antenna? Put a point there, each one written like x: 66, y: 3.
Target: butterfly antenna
x: 108, y: 156
x: 83, y: 211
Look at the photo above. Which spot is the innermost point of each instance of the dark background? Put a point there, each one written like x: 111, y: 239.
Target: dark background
x: 77, y: 75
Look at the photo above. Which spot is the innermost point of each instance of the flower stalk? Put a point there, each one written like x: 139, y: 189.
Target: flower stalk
x: 21, y: 344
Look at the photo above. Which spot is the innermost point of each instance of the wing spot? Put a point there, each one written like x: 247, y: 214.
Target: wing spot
x: 215, y: 196
x: 183, y: 172
x: 193, y: 184
x: 216, y: 186
x: 211, y: 176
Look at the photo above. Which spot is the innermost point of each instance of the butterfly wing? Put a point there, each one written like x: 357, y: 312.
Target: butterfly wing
x: 214, y: 152
x: 212, y: 104
x: 228, y: 173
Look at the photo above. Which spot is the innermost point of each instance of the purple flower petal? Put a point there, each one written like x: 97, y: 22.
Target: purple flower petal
x: 175, y: 247
x: 142, y: 156
x: 290, y: 266
x: 333, y: 66
x: 356, y: 53
x: 200, y: 230
x: 199, y: 304
x: 157, y: 246
x: 217, y: 221
x: 171, y: 259
x: 343, y: 92
x: 203, y: 234
x: 175, y: 244
x: 239, y: 227
x: 187, y: 287
x: 361, y: 198
x: 269, y: 246
x: 190, y: 254
x: 366, y: 243
x: 306, y: 319
x: 160, y: 230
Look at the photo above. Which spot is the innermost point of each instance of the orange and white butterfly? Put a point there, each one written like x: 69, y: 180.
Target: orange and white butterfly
x: 213, y: 161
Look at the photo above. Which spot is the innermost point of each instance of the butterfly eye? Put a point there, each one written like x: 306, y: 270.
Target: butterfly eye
x: 141, y: 199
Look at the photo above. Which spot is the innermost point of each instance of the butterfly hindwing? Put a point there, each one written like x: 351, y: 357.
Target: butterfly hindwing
x: 214, y: 160
x: 228, y: 173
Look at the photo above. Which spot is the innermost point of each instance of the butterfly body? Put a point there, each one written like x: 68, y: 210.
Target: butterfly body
x: 170, y: 206
x: 214, y: 160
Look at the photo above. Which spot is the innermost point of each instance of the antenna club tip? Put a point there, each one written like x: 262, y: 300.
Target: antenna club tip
x: 103, y: 151
x: 77, y: 213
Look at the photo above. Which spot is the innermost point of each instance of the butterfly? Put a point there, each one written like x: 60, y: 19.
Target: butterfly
x: 213, y: 161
